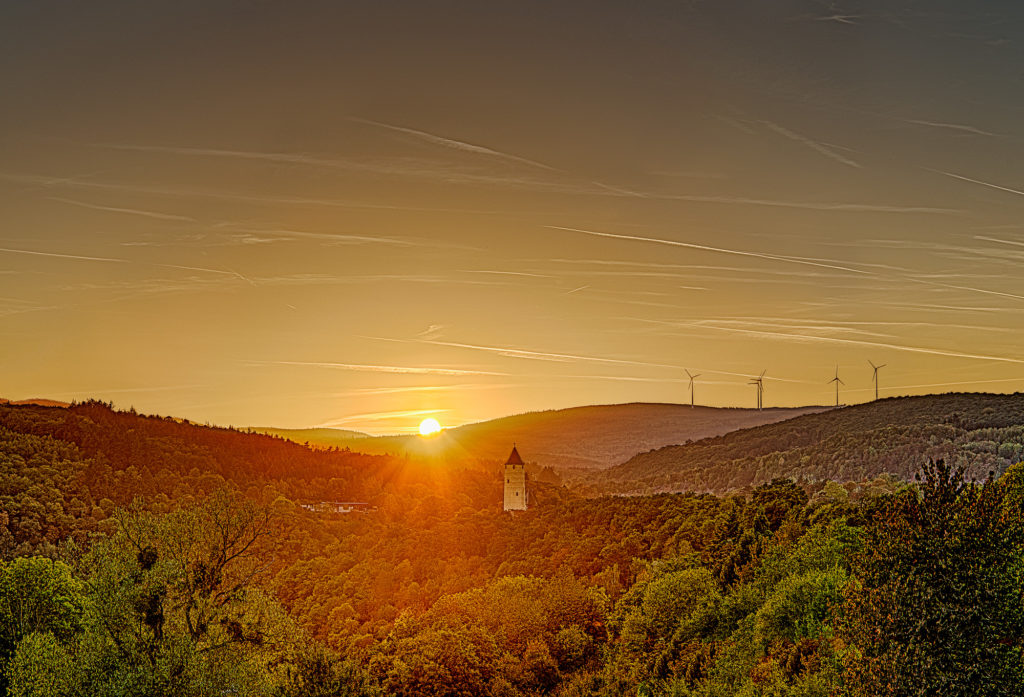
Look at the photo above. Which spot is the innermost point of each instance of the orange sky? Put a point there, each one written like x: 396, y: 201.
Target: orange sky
x: 363, y: 214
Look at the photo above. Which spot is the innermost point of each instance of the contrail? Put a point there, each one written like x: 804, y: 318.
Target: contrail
x: 504, y: 273
x: 981, y: 183
x: 523, y: 353
x: 455, y: 144
x: 801, y: 338
x: 995, y: 239
x: 132, y: 211
x: 941, y: 384
x: 361, y: 391
x: 401, y: 370
x: 954, y: 127
x: 813, y: 144
x: 382, y: 416
x: 529, y: 355
x: 64, y: 256
x: 198, y: 268
x: 968, y: 288
x: 720, y: 250
x: 114, y: 260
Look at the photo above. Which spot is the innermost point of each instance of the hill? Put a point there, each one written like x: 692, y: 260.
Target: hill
x: 981, y: 432
x: 590, y: 437
x: 38, y: 402
x: 692, y: 593
x: 325, y: 437
x: 85, y: 460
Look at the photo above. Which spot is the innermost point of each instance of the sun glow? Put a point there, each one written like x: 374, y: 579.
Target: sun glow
x: 429, y: 427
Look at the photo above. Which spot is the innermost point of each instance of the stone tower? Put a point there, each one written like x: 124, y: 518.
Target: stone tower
x: 515, y: 482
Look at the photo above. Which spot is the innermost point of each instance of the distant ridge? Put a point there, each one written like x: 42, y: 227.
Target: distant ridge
x: 36, y: 402
x: 979, y: 431
x: 326, y: 437
x: 588, y: 437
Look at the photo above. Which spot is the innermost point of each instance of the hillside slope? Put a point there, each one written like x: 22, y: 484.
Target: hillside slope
x: 590, y: 437
x: 982, y: 432
x: 64, y: 470
x: 323, y: 437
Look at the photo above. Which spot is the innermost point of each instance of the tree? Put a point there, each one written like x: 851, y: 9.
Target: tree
x: 37, y: 596
x: 40, y: 667
x: 938, y: 608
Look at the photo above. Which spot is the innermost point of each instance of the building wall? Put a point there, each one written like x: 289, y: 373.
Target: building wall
x: 515, y: 488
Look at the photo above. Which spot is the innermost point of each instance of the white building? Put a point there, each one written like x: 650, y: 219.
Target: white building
x: 515, y: 482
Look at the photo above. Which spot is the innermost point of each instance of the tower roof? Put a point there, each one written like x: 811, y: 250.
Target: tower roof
x: 513, y: 458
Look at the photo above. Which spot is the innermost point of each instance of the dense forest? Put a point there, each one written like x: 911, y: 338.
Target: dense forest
x: 147, y: 556
x: 979, y: 432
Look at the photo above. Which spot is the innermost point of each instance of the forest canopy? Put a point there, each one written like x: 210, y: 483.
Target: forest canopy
x: 147, y: 556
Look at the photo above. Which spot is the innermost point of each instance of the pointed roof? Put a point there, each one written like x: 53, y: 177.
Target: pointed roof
x: 513, y: 458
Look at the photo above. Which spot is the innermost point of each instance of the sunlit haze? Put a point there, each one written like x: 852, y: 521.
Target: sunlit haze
x: 379, y: 215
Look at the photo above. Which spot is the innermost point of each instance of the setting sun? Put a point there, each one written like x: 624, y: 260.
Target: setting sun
x: 429, y: 427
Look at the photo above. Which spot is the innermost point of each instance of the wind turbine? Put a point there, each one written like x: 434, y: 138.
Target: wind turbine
x: 874, y: 376
x: 692, y: 378
x: 838, y: 382
x: 759, y: 381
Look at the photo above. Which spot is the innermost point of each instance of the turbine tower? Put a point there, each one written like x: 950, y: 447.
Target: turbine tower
x: 692, y: 378
x: 759, y: 382
x: 874, y: 376
x: 838, y: 382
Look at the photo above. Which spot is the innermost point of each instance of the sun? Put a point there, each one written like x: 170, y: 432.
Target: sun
x: 429, y: 427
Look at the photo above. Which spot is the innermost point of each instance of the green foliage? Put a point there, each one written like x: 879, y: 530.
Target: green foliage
x: 216, y: 582
x: 40, y: 667
x: 516, y: 634
x: 316, y: 672
x: 41, y: 598
x: 937, y: 607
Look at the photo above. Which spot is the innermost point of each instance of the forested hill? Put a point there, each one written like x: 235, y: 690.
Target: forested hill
x: 214, y: 580
x: 982, y: 432
x: 589, y: 437
x: 64, y: 470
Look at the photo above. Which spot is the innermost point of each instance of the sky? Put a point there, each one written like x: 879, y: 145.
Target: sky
x: 363, y: 214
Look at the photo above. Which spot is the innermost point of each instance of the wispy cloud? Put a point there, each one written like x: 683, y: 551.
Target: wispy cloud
x: 963, y: 128
x: 805, y: 338
x: 131, y: 211
x: 1019, y: 380
x: 433, y: 331
x: 505, y: 273
x: 510, y: 352
x: 463, y: 387
x: 971, y: 289
x: 133, y: 390
x: 454, y: 144
x: 631, y: 378
x: 837, y: 266
x: 116, y: 260
x: 366, y: 368
x: 380, y: 416
x: 276, y: 234
x: 819, y: 148
x: 999, y: 241
x: 582, y: 189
